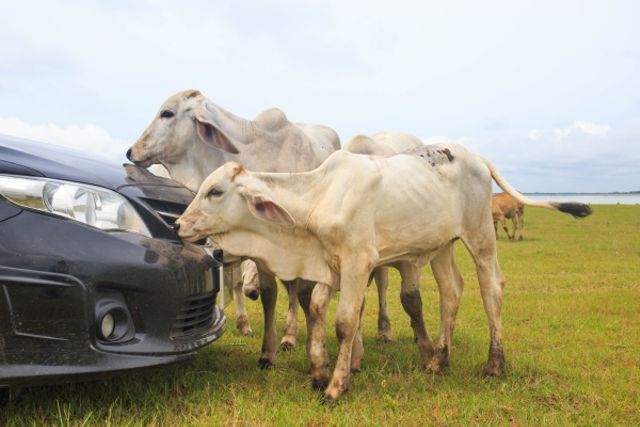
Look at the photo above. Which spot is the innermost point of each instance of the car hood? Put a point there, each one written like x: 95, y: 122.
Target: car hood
x: 24, y: 157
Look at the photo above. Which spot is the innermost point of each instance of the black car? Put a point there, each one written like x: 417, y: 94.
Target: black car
x: 93, y: 277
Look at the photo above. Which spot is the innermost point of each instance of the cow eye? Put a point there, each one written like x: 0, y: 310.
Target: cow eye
x: 166, y: 114
x: 214, y: 193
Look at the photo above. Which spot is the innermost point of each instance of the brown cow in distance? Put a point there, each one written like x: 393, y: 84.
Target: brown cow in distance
x: 503, y: 207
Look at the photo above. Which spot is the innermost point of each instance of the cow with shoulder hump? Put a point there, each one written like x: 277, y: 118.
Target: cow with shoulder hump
x: 337, y: 223
x: 191, y: 136
x: 188, y: 125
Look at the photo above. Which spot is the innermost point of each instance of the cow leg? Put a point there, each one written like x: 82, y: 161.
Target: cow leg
x: 514, y: 221
x: 521, y: 223
x: 381, y: 277
x: 503, y: 222
x: 450, y: 286
x: 250, y: 279
x: 290, y: 337
x: 483, y: 251
x: 305, y: 290
x: 412, y: 304
x: 242, y: 320
x: 269, y: 295
x: 318, y: 359
x: 353, y: 282
x: 357, y: 351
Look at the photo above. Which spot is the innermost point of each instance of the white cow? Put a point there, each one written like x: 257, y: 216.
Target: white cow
x: 191, y: 136
x: 354, y: 213
x: 379, y: 144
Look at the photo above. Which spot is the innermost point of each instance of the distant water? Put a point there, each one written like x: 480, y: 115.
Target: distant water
x: 591, y: 198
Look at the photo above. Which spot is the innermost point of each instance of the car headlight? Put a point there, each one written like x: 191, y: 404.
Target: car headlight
x: 94, y: 206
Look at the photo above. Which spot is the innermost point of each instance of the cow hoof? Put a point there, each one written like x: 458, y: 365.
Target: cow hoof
x: 286, y: 346
x: 495, y: 367
x: 319, y: 384
x: 355, y: 371
x: 493, y: 371
x: 435, y: 368
x: 247, y: 332
x: 495, y: 364
x: 264, y: 363
x: 383, y: 337
x: 254, y: 295
x: 439, y: 361
x: 242, y: 325
x: 327, y: 399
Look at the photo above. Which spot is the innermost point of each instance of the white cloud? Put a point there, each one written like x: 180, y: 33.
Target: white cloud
x: 81, y: 137
x: 584, y: 127
x: 580, y: 157
x: 535, y: 134
x: 591, y: 128
x: 577, y: 127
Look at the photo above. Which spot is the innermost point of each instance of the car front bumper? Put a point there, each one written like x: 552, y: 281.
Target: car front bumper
x: 55, y: 274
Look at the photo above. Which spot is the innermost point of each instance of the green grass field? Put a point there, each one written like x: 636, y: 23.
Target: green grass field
x: 571, y: 327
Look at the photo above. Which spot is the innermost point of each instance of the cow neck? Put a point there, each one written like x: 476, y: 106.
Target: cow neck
x: 196, y: 164
x: 294, y: 191
x: 264, y: 149
x: 278, y: 251
x: 237, y: 129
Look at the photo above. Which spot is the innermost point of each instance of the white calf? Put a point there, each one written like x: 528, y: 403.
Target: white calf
x: 336, y: 224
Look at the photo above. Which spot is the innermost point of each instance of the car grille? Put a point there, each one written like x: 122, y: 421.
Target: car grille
x: 195, y: 317
x: 168, y: 211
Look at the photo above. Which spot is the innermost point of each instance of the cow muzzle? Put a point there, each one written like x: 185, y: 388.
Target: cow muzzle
x: 131, y: 155
x: 186, y: 231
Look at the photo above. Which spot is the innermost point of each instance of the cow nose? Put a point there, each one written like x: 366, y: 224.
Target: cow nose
x: 176, y: 226
x: 129, y: 154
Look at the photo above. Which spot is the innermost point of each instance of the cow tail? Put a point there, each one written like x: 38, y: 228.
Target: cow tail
x: 578, y: 210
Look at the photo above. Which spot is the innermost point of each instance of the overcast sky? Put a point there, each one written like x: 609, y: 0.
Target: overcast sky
x: 549, y: 90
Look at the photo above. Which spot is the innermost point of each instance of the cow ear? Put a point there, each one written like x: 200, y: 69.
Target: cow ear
x: 212, y: 136
x: 192, y: 93
x: 266, y: 209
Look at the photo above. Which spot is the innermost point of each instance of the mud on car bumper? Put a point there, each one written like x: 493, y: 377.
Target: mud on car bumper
x: 77, y: 303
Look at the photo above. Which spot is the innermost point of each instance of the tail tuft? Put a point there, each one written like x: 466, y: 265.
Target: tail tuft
x: 578, y: 210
